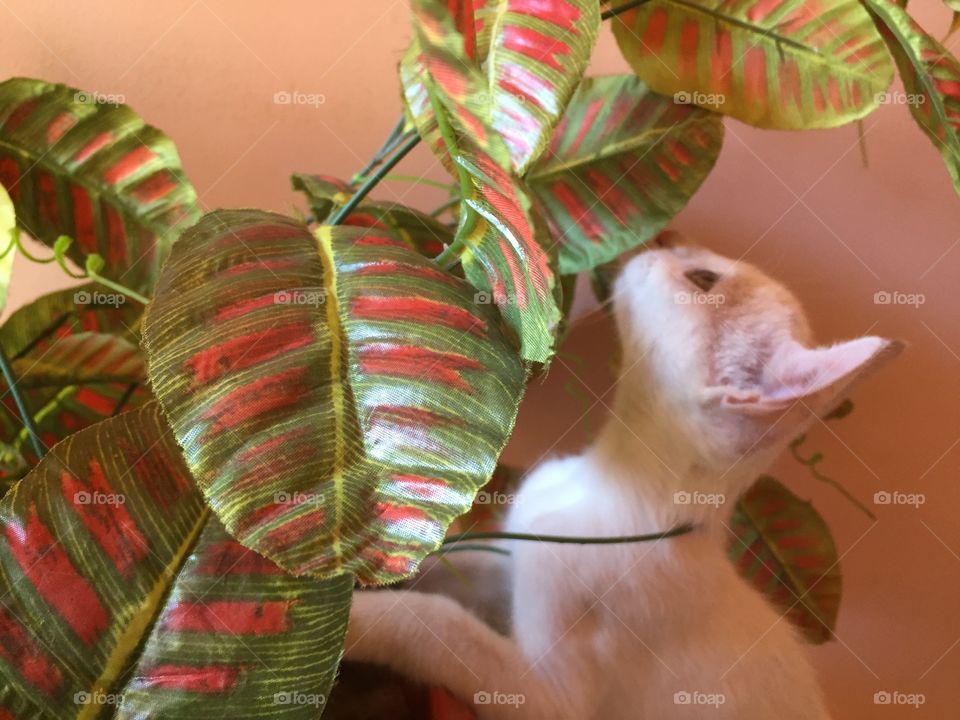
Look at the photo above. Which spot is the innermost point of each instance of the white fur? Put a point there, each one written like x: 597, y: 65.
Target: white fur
x: 709, y: 394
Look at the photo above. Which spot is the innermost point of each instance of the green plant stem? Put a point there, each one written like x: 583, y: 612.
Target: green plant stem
x: 123, y: 290
x: 446, y: 206
x: 374, y: 180
x: 417, y: 181
x: 811, y: 464
x: 25, y: 417
x: 473, y: 546
x: 385, y: 149
x: 565, y: 539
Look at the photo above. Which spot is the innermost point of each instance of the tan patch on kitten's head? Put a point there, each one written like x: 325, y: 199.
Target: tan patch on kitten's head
x: 727, y: 348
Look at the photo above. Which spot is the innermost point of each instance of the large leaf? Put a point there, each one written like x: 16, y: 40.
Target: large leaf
x: 60, y: 314
x: 540, y: 49
x: 622, y: 163
x: 788, y: 64
x: 783, y: 547
x: 503, y: 243
x: 421, y: 232
x: 534, y: 53
x: 931, y: 78
x: 324, y: 389
x: 84, y: 165
x: 118, y: 585
x: 75, y: 356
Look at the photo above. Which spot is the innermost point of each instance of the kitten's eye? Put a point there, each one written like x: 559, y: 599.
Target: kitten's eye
x: 703, y: 279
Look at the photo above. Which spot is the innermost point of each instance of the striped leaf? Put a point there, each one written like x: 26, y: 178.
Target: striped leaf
x: 534, y: 53
x: 621, y: 164
x: 76, y: 164
x: 63, y: 313
x: 931, y: 78
x: 503, y: 242
x: 788, y: 64
x: 540, y: 49
x: 324, y: 389
x: 783, y: 547
x: 419, y: 231
x: 74, y: 353
x: 8, y: 227
x: 124, y: 597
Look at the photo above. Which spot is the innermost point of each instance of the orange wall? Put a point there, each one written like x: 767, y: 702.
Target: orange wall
x: 803, y: 206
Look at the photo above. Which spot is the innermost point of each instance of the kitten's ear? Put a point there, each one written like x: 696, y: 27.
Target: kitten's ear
x: 815, y: 376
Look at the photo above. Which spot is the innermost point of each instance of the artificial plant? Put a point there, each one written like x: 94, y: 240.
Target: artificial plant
x: 195, y: 486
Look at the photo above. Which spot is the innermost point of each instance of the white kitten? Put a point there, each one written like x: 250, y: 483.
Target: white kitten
x: 718, y: 377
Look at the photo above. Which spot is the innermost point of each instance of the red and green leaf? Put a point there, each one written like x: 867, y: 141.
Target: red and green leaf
x: 533, y: 52
x: 783, y: 547
x: 118, y: 585
x: 540, y: 49
x: 78, y: 165
x: 75, y: 356
x: 323, y: 389
x: 931, y: 78
x: 621, y: 164
x: 419, y: 231
x: 502, y: 241
x: 787, y: 64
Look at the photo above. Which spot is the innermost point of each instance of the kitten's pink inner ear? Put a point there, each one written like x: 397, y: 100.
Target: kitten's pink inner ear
x: 816, y: 376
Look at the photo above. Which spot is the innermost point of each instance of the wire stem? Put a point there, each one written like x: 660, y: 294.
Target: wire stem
x: 25, y: 417
x: 565, y: 539
x: 374, y: 180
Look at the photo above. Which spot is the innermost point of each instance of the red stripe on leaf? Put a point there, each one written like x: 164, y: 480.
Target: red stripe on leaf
x: 265, y: 395
x: 244, y: 351
x: 231, y: 558
x: 542, y: 48
x: 88, y: 150
x: 418, y: 363
x: 19, y: 650
x: 191, y: 678
x: 103, y: 514
x: 129, y: 164
x: 558, y: 12
x: 52, y: 574
x: 416, y: 309
x: 237, y: 617
x: 84, y: 229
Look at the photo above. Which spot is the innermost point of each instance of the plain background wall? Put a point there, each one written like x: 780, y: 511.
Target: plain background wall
x: 801, y: 205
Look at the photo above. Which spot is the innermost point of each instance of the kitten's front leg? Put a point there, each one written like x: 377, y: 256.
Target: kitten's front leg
x: 433, y: 639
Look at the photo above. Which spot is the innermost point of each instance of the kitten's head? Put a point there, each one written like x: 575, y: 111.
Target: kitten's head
x: 724, y: 353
